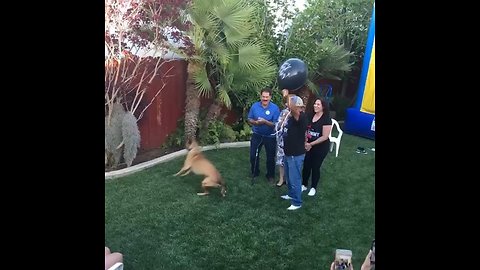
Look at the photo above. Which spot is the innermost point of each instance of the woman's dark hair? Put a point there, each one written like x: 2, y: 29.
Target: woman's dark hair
x: 325, y: 106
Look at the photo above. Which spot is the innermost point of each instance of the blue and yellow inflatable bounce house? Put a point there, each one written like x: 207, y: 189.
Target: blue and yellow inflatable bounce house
x: 360, y: 119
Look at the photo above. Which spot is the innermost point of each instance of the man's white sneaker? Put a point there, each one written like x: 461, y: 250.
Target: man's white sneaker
x: 286, y: 197
x: 312, y: 192
x: 293, y: 207
x: 304, y: 188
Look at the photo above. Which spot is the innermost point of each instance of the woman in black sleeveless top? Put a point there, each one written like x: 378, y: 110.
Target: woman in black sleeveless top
x: 317, y: 145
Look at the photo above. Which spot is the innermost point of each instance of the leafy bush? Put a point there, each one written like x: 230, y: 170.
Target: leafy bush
x: 177, y: 138
x: 217, y: 132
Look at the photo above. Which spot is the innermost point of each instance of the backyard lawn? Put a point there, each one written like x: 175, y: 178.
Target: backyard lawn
x: 158, y: 222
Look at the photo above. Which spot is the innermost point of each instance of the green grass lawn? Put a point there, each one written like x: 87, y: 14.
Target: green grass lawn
x: 158, y: 222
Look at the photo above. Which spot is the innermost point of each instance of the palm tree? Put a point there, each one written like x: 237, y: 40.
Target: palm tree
x: 192, y: 103
x: 226, y: 59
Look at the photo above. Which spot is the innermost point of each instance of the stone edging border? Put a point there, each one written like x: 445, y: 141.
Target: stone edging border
x: 153, y: 162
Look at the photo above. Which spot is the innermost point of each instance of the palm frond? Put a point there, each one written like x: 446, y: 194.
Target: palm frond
x: 223, y: 55
x: 201, y: 82
x: 251, y: 56
x: 235, y: 17
x: 218, y: 50
x: 254, y: 67
x: 330, y: 61
x: 197, y: 35
x: 223, y: 96
x: 312, y: 87
x: 244, y: 79
x: 198, y: 12
x: 234, y: 37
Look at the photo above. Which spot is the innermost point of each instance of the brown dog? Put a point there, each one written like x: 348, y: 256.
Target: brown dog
x: 198, y: 164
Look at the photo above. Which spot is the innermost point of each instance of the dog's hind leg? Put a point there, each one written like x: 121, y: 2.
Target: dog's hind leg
x: 206, y: 183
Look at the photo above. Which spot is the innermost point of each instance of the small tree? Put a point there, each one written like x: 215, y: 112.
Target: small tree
x: 328, y: 35
x: 137, y: 34
x: 345, y: 23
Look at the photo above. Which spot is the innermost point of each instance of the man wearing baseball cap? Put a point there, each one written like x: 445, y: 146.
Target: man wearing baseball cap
x: 294, y: 148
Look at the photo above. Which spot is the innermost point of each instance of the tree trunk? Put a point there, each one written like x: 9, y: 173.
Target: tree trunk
x: 343, y: 93
x: 192, y: 105
x: 212, y: 114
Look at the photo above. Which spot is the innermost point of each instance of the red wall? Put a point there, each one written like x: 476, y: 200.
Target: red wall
x: 160, y: 119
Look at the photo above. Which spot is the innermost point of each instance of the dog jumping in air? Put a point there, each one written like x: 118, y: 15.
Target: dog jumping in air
x: 197, y: 163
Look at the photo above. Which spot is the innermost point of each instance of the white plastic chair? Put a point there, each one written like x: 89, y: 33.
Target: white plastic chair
x: 117, y: 266
x: 335, y: 140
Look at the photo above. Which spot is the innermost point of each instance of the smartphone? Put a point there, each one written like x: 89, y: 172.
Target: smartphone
x: 372, y: 257
x: 343, y: 258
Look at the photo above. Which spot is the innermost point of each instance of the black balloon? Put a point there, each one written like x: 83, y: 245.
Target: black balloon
x: 292, y: 74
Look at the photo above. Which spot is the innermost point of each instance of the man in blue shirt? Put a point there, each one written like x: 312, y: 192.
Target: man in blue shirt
x: 262, y: 116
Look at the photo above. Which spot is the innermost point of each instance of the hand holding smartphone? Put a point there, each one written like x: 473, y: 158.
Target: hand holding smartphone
x: 343, y: 259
